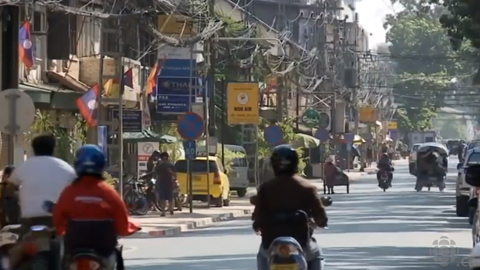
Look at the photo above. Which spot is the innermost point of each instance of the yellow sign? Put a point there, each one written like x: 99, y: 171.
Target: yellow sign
x: 392, y: 125
x: 242, y: 103
x: 175, y: 25
x: 367, y: 114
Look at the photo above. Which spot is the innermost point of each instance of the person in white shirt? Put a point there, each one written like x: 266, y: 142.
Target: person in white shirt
x: 41, y: 178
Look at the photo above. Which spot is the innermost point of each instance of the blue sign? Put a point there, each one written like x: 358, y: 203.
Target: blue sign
x: 175, y: 94
x: 273, y: 134
x: 179, y: 68
x: 190, y: 148
x: 322, y: 134
x: 190, y: 126
x: 132, y: 119
x: 349, y: 137
x: 102, y: 135
x: 393, y: 134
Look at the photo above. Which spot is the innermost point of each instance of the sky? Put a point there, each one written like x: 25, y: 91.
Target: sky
x: 371, y: 15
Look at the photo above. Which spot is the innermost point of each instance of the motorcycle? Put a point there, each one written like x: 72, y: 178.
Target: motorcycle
x: 285, y: 252
x: 383, y: 179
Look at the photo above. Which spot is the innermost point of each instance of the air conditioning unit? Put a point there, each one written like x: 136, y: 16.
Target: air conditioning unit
x: 326, y: 112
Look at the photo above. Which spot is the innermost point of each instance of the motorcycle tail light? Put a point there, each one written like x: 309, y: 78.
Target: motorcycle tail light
x: 285, y: 250
x: 84, y: 264
x: 30, y: 248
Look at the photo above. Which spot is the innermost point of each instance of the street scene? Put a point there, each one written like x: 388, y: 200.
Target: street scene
x: 368, y: 229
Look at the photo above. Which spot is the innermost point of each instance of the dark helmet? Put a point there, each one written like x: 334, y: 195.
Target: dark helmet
x: 284, y: 160
x: 89, y: 159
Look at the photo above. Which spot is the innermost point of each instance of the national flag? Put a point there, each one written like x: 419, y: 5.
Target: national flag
x: 88, y: 103
x: 112, y: 86
x: 25, y: 44
x: 152, y: 77
x: 128, y: 78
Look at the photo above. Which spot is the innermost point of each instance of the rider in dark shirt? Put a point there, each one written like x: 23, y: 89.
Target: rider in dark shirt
x: 272, y: 198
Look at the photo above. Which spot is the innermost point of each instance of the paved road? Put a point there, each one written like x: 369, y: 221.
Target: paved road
x: 369, y: 229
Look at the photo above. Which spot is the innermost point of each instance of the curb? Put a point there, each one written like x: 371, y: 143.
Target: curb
x: 198, y: 223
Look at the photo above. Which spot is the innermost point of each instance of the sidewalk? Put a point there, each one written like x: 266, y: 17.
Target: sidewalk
x: 155, y: 226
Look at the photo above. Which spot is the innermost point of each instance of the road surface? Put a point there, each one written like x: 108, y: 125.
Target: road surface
x: 369, y: 229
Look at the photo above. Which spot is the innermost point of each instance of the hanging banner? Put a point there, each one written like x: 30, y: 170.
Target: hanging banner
x: 242, y: 103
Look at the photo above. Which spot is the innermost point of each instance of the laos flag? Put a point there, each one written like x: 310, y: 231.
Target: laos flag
x: 87, y: 105
x: 25, y: 44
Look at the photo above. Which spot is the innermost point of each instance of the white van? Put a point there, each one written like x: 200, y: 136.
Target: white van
x: 239, y: 177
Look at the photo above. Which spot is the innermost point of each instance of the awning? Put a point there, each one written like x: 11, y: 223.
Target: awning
x: 148, y: 136
x: 305, y: 141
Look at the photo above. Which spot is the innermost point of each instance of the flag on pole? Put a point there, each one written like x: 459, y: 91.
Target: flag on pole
x: 128, y: 78
x: 112, y: 86
x: 152, y: 77
x: 25, y: 44
x: 88, y: 103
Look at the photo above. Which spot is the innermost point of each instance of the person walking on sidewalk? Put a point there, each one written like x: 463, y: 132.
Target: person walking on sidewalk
x: 165, y: 184
x: 331, y: 173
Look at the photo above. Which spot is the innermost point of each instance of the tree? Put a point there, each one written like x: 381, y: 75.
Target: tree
x: 421, y: 80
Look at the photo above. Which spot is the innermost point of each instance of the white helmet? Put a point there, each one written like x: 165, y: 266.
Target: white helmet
x: 8, y: 238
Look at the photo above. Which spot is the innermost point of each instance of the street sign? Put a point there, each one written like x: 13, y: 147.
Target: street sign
x: 132, y: 120
x: 273, y: 134
x: 393, y: 133
x: 349, y: 137
x: 190, y: 148
x: 322, y: 134
x: 102, y: 135
x: 367, y: 114
x: 311, y: 118
x: 190, y: 126
x: 17, y: 111
x: 175, y: 94
x: 324, y: 121
x: 243, y: 103
x: 392, y: 125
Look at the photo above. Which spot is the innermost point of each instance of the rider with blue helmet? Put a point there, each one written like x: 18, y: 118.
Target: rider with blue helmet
x: 90, y: 203
x: 287, y: 192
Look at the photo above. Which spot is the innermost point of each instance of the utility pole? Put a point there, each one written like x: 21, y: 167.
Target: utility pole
x: 9, y: 68
x: 111, y: 45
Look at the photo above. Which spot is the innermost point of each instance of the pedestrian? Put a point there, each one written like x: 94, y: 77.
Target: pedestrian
x: 9, y: 204
x: 165, y: 184
x: 331, y: 174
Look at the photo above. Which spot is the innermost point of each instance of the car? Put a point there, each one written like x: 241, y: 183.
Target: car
x: 412, y: 159
x: 465, y: 195
x: 216, y: 183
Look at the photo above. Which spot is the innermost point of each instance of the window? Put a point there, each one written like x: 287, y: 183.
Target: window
x: 474, y: 158
x: 415, y: 147
x: 239, y: 162
x: 196, y: 166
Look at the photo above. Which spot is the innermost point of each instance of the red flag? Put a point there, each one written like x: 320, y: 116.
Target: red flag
x: 25, y: 44
x: 88, y: 103
x: 152, y: 77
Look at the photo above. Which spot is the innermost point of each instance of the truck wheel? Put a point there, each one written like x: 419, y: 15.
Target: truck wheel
x: 461, y: 206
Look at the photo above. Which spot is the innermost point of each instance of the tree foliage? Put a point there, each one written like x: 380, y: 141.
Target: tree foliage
x: 421, y: 81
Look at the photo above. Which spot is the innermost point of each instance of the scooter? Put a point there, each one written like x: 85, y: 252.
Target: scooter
x: 384, y: 182
x: 286, y: 253
x: 87, y: 259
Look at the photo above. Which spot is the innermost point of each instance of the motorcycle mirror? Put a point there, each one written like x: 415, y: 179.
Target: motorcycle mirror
x: 327, y: 200
x: 48, y: 206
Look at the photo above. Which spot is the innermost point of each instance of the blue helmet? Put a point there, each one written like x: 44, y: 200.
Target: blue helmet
x: 284, y: 160
x: 89, y: 159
